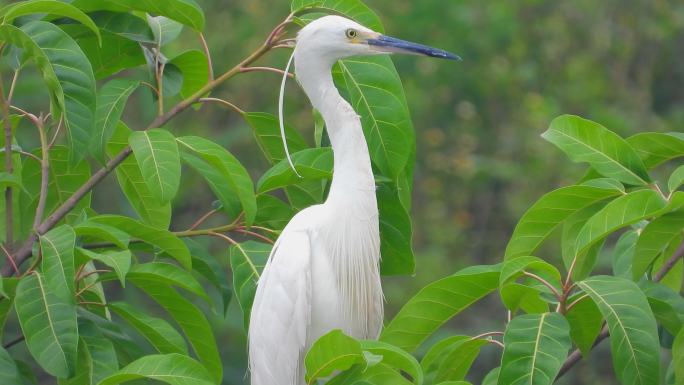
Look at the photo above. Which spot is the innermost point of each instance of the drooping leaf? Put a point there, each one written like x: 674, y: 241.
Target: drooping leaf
x: 548, y: 212
x: 9, y: 374
x: 634, y: 335
x: 192, y: 321
x: 111, y: 100
x: 457, y: 359
x: 623, y: 254
x: 173, y: 369
x: 586, y: 141
x: 116, y: 53
x: 159, y: 333
x: 311, y: 164
x: 267, y: 134
x: 247, y: 260
x: 157, y: 155
x: 57, y: 264
x: 164, y: 29
x: 194, y: 66
x: 666, y: 304
x: 395, y: 234
x: 621, y: 212
x: 166, y: 273
x: 133, y: 184
x: 186, y: 12
x: 514, y: 268
x: 535, y: 347
x: 51, y: 7
x: 84, y: 368
x: 395, y: 357
x: 106, y: 233
x: 218, y: 184
x: 49, y: 325
x: 517, y: 296
x: 676, y: 179
x: 332, y: 352
x: 655, y: 148
x: 119, y: 260
x: 585, y: 322
x: 126, y: 25
x: 229, y: 167
x: 571, y: 229
x: 163, y: 239
x: 100, y: 349
x: 654, y: 239
x: 209, y: 267
x: 436, y: 303
x: 273, y: 213
x: 76, y: 79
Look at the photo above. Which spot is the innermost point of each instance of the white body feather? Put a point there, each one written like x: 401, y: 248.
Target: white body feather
x: 323, y: 272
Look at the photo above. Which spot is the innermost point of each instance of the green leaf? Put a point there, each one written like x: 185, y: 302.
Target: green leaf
x: 655, y: 148
x: 621, y: 212
x: 354, y: 9
x: 247, y: 260
x: 164, y: 29
x: 173, y: 369
x: 186, y: 12
x: 229, y: 167
x: 156, y: 152
x: 159, y: 333
x: 120, y: 261
x: 456, y: 359
x: 438, y: 302
x: 75, y: 75
x: 395, y: 234
x: 166, y: 273
x: 210, y: 268
x: 133, y: 185
x: 607, y: 183
x: 9, y: 374
x: 332, y: 352
x: 515, y: 268
x: 65, y: 179
x: 678, y: 357
x: 666, y: 304
x: 623, y: 254
x: 654, y: 239
x: 586, y: 141
x: 378, y: 97
x: 571, y: 229
x: 103, y: 232
x: 676, y: 179
x: 194, y: 66
x: 192, y: 321
x: 217, y: 183
x: 267, y: 134
x: 84, y: 368
x: 311, y: 164
x: 104, y: 361
x: 57, y: 264
x: 395, y: 357
x: 517, y: 296
x: 51, y: 7
x: 49, y: 325
x: 126, y: 25
x: 116, y: 53
x: 111, y: 100
x: 163, y: 239
x: 437, y: 353
x: 535, y: 347
x: 492, y: 377
x: 634, y: 335
x: 548, y: 212
x: 273, y: 213
x: 585, y: 322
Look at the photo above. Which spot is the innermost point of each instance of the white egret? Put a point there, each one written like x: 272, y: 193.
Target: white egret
x: 323, y: 272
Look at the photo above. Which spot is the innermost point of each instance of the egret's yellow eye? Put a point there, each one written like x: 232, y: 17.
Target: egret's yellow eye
x: 351, y: 33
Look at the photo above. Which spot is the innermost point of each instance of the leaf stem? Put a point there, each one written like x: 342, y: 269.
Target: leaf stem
x: 256, y: 235
x: 57, y: 130
x: 205, y: 47
x: 223, y: 102
x: 44, y: 173
x: 202, y: 219
x: 266, y: 69
x: 9, y: 207
x: 10, y: 259
x: 546, y: 283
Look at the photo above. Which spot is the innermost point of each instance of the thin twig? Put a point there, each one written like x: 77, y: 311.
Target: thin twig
x: 266, y: 69
x: 224, y: 237
x: 93, y: 272
x: 205, y: 47
x: 93, y: 303
x: 27, y: 154
x: 223, y: 102
x: 256, y: 235
x: 487, y: 334
x: 667, y: 266
x: 575, y: 302
x: 44, y: 174
x: 57, y: 130
x: 150, y: 86
x: 202, y: 219
x: 14, y: 83
x: 545, y: 283
x: 85, y: 288
x: 9, y: 168
x: 10, y: 259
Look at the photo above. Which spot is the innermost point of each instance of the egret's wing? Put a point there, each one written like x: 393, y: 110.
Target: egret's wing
x: 281, y: 313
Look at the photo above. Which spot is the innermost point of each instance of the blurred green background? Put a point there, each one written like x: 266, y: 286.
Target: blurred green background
x: 480, y: 159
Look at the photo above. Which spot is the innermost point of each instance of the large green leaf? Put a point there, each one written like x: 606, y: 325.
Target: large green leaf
x: 51, y: 7
x: 267, y: 134
x: 111, y: 100
x: 456, y: 360
x: 634, y: 335
x: 156, y: 152
x: 378, y: 97
x: 75, y: 75
x: 585, y: 323
x: 535, y: 347
x: 194, y: 66
x: 186, y: 12
x: 9, y: 374
x: 247, y: 260
x: 133, y: 184
x: 354, y: 9
x: 116, y: 53
x: 126, y: 25
x: 395, y: 234
x: 311, y: 164
x: 173, y: 369
x: 192, y: 321
x: 57, y: 264
x: 654, y: 239
x: 571, y: 229
x: 332, y: 352
x: 219, y: 185
x: 163, y: 239
x: 666, y: 304
x: 436, y: 303
x: 232, y: 170
x: 395, y: 357
x: 160, y: 334
x: 548, y: 212
x: 586, y: 141
x: 49, y: 325
x: 621, y: 212
x: 655, y: 148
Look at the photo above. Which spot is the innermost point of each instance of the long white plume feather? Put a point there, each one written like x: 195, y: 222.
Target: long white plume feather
x: 281, y: 101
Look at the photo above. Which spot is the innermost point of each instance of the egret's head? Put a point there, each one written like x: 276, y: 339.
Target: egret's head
x: 336, y: 37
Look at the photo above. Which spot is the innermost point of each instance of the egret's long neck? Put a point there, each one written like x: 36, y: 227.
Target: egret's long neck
x: 353, y: 176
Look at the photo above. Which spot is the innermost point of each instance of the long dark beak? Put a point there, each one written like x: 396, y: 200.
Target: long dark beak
x: 390, y: 44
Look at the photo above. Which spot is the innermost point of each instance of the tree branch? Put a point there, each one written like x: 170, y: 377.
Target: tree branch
x: 25, y: 251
